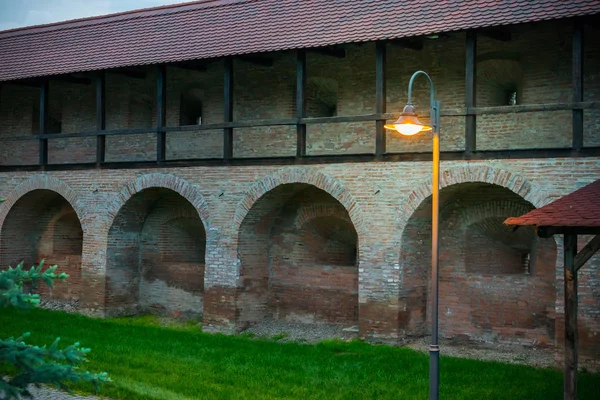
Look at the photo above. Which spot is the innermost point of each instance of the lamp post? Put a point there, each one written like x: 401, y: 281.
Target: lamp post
x: 408, y: 124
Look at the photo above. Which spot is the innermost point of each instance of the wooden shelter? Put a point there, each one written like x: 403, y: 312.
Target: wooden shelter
x: 575, y: 214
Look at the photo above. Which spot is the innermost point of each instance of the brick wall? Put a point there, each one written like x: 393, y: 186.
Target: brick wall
x: 536, y: 63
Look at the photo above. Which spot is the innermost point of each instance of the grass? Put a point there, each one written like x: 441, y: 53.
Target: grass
x: 148, y: 361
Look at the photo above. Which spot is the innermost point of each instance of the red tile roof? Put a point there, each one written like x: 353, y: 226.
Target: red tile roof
x: 578, y: 209
x: 217, y: 28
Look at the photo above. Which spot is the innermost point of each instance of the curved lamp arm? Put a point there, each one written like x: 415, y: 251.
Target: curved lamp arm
x: 433, y: 105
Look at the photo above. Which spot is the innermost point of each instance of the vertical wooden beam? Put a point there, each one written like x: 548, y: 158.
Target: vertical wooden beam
x: 43, y: 152
x: 577, y: 85
x: 300, y: 103
x: 380, y: 96
x: 100, y: 117
x: 470, y: 91
x: 161, y: 113
x: 228, y: 110
x: 571, y: 335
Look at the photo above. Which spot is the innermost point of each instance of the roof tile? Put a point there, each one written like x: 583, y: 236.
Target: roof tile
x: 217, y: 28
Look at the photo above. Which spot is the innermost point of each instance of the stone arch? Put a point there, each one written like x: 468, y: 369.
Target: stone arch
x: 42, y: 182
x: 156, y: 247
x: 41, y: 224
x: 327, y: 183
x: 487, y: 296
x: 297, y: 248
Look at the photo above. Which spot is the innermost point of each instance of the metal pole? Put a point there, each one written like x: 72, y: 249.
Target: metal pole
x: 434, y: 348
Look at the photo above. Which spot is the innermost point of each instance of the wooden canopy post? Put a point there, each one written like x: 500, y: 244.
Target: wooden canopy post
x: 571, y: 334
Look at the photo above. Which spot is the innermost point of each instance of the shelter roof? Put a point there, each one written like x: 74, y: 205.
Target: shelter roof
x: 578, y: 209
x: 216, y: 28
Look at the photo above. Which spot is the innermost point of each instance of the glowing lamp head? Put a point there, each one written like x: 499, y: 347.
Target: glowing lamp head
x: 408, y: 124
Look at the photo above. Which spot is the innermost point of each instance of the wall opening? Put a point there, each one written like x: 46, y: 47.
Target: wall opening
x: 190, y: 107
x: 156, y: 257
x: 496, y: 284
x: 298, y: 253
x: 42, y: 225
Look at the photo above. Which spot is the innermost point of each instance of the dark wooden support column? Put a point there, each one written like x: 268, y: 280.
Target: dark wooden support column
x: 577, y: 85
x: 380, y: 96
x: 470, y: 89
x: 301, y: 103
x: 100, y: 117
x: 228, y: 111
x: 43, y: 152
x: 571, y: 336
x: 161, y: 113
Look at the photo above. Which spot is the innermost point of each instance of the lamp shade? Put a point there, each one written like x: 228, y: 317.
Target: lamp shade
x: 408, y: 124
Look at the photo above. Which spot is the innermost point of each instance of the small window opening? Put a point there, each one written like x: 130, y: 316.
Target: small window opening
x: 511, y: 97
x: 190, y: 110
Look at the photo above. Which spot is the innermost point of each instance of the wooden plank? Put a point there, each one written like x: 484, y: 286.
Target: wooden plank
x: 43, y: 143
x: 571, y: 334
x: 470, y: 90
x: 380, y: 96
x: 300, y: 103
x: 496, y: 34
x: 228, y: 108
x: 411, y: 44
x: 587, y: 252
x: 261, y: 61
x: 577, y: 83
x: 333, y: 159
x: 101, y: 117
x: 331, y: 51
x: 523, y: 108
x: 161, y: 113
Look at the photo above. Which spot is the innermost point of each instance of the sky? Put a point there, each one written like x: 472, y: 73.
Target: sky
x: 18, y: 13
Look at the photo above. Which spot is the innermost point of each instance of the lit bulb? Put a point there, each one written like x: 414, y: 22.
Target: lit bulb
x: 408, y: 129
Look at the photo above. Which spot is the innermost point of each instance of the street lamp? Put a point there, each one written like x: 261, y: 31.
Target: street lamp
x: 408, y: 124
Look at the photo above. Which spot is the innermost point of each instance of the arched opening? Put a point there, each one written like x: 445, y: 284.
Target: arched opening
x: 155, y: 256
x: 42, y: 225
x: 496, y: 284
x: 298, y: 253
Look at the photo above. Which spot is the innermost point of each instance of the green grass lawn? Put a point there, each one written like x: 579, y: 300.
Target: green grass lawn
x: 153, y: 362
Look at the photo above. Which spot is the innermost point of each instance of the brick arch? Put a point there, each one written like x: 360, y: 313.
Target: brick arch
x: 327, y: 183
x: 492, y: 209
x: 156, y: 180
x: 314, y: 211
x: 42, y: 182
x: 472, y: 174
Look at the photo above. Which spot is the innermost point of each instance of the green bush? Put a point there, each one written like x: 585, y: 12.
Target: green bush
x: 36, y: 365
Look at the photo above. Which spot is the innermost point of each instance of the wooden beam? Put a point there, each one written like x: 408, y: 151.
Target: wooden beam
x: 300, y: 103
x: 129, y: 72
x: 471, y: 90
x: 71, y: 79
x: 161, y: 113
x: 100, y: 117
x: 228, y: 109
x: 548, y: 231
x: 571, y: 334
x: 587, y: 252
x: 43, y: 144
x: 190, y: 66
x: 496, y: 34
x: 411, y: 44
x: 577, y: 83
x: 331, y: 51
x: 257, y: 60
x: 380, y: 96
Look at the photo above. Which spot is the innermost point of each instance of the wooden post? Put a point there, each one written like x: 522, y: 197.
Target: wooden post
x: 301, y: 103
x: 161, y: 113
x: 43, y: 148
x: 380, y: 96
x: 470, y: 90
x: 577, y: 84
x: 100, y: 117
x: 228, y: 111
x: 571, y: 337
